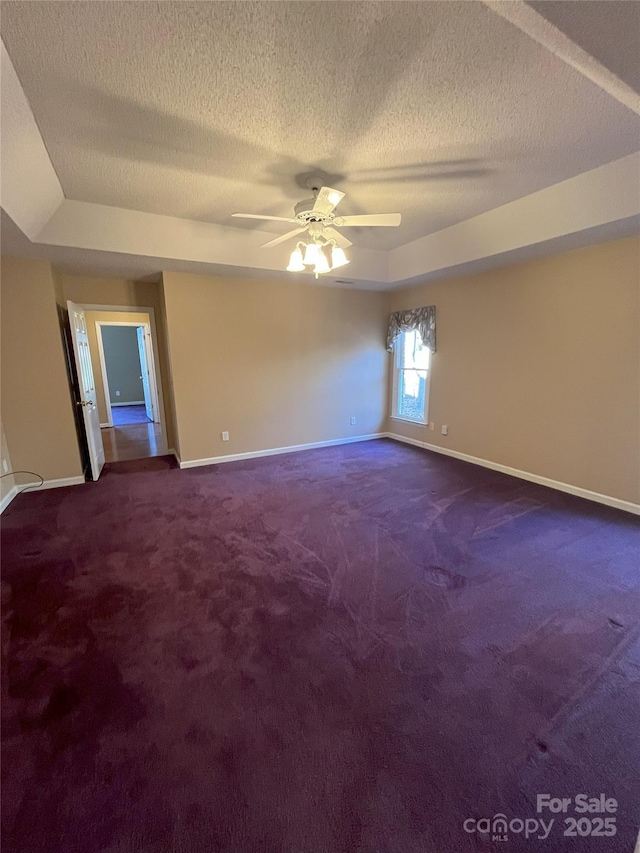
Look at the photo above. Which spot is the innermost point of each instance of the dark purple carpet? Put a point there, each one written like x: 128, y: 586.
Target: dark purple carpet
x: 350, y: 649
x: 122, y: 415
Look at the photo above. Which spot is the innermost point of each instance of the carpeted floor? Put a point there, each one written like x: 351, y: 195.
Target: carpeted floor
x: 122, y: 415
x: 350, y: 649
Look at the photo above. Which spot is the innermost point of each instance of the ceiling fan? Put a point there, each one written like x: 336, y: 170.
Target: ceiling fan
x: 316, y: 215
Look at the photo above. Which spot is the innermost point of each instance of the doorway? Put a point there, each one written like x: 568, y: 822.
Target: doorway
x: 130, y: 408
x: 128, y: 375
x: 122, y: 356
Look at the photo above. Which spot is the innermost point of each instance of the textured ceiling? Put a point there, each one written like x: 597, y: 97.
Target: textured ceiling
x: 609, y: 30
x: 440, y: 111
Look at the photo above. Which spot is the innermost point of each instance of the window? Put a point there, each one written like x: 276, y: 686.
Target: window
x: 411, y: 378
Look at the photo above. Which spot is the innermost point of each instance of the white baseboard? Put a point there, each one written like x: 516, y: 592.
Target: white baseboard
x: 61, y: 483
x: 48, y: 484
x: 275, y: 451
x: 607, y: 500
x: 6, y: 500
x: 130, y: 403
x: 104, y: 426
x: 617, y: 503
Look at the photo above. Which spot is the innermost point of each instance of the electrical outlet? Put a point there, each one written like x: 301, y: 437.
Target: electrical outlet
x: 432, y: 426
x: 117, y: 393
x: 444, y: 429
x: 353, y: 421
x: 5, y: 466
x: 225, y: 436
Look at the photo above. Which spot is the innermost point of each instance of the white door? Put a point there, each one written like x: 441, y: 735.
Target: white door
x: 144, y: 371
x: 87, y: 387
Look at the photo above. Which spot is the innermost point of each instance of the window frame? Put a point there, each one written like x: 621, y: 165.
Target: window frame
x: 398, y: 349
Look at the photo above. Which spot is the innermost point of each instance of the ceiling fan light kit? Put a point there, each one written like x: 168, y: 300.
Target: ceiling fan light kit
x: 338, y: 257
x: 315, y: 256
x: 311, y: 255
x: 296, y: 264
x: 322, y: 265
x: 316, y: 215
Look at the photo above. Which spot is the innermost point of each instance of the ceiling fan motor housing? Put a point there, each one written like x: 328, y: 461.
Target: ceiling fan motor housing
x: 305, y: 213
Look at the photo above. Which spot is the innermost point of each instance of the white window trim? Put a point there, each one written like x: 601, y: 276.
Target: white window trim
x: 394, y: 397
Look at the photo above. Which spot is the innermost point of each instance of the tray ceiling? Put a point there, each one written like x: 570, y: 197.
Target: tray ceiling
x: 442, y: 111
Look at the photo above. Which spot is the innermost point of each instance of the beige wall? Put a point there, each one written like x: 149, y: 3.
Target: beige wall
x: 37, y: 411
x: 106, y: 317
x: 273, y: 363
x: 115, y: 291
x: 538, y: 365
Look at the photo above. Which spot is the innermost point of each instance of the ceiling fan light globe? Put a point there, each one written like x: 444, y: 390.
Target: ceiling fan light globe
x: 295, y: 262
x: 312, y: 255
x: 322, y: 264
x: 338, y: 258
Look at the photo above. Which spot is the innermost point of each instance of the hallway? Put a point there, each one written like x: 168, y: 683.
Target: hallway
x: 132, y: 441
x: 133, y: 414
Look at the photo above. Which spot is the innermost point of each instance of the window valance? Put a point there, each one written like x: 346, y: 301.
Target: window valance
x: 422, y: 320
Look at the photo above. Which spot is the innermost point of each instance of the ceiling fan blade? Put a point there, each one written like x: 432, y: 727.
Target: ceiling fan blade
x: 257, y: 216
x: 341, y: 240
x: 370, y: 219
x: 326, y: 200
x: 283, y: 237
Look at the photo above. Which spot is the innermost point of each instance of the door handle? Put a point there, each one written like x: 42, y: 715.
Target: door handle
x: 84, y: 403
